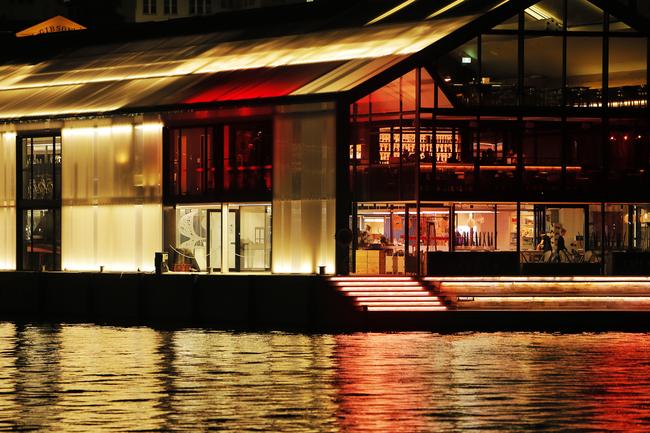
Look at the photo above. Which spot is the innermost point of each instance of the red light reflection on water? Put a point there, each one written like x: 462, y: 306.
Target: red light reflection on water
x: 620, y: 387
x: 378, y: 384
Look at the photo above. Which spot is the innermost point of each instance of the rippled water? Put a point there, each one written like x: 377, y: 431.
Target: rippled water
x: 92, y: 378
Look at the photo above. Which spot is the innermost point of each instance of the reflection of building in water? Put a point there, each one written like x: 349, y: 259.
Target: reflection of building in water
x: 437, y: 135
x: 37, y: 375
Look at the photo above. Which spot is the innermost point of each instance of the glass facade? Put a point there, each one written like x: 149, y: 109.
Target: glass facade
x: 556, y: 58
x: 509, y: 152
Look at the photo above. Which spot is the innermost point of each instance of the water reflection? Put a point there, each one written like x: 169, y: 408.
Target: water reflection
x: 92, y: 379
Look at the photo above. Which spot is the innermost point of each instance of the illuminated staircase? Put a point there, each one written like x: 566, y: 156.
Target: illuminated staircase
x: 388, y: 294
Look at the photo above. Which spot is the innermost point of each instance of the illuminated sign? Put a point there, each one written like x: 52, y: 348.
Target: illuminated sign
x: 53, y: 25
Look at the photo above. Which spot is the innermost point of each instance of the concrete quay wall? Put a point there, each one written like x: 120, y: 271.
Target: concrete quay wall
x: 225, y: 301
x: 305, y: 303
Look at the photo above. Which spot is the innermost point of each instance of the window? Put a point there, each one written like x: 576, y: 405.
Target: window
x: 199, y: 7
x: 459, y: 73
x: 171, y: 7
x: 543, y: 71
x: 499, y: 70
x: 149, y: 7
x: 584, y: 71
x: 193, y: 163
x: 628, y: 72
x: 247, y: 157
x: 41, y: 165
x: 39, y: 207
x: 544, y: 16
x: 228, y: 158
x: 475, y: 227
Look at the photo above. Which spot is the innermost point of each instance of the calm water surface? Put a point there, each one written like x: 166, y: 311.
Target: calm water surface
x: 89, y: 378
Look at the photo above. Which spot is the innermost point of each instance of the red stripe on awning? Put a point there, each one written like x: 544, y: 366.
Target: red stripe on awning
x: 257, y: 83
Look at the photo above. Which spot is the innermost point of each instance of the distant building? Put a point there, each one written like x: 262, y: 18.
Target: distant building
x: 158, y: 10
x: 18, y: 14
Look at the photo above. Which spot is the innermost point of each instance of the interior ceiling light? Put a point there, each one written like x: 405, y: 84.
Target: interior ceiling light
x: 539, y: 13
x: 390, y: 12
x: 445, y: 9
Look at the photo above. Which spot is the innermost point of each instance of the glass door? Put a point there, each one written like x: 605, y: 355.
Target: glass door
x: 232, y: 230
x: 41, y: 246
x: 214, y: 240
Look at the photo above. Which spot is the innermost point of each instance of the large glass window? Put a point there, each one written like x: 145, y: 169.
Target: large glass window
x: 247, y: 157
x: 583, y: 15
x: 584, y: 71
x: 542, y: 154
x: 628, y: 155
x: 584, y: 154
x: 41, y: 164
x: 553, y: 233
x: 498, y: 154
x: 459, y: 72
x: 628, y: 72
x: 455, y: 150
x: 543, y: 71
x: 499, y: 69
x: 230, y: 158
x: 474, y: 227
x: 381, y: 238
x: 544, y: 16
x: 384, y: 147
x: 193, y: 164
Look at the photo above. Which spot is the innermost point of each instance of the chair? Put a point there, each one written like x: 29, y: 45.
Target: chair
x: 589, y: 257
x: 564, y: 256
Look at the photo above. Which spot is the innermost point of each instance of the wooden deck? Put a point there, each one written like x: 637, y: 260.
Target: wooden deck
x: 543, y: 293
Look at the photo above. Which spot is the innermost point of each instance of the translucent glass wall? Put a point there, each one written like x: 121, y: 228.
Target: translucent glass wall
x: 304, y: 183
x: 7, y: 200
x: 111, y: 195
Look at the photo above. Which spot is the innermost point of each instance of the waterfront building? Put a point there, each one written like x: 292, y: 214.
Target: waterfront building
x: 378, y: 137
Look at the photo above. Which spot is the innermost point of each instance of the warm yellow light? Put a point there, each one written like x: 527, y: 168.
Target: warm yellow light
x: 335, y: 45
x: 390, y: 12
x: 589, y: 298
x: 149, y: 127
x: 118, y: 237
x: 445, y: 9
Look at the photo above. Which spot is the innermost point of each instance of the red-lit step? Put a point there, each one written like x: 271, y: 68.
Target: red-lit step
x: 388, y: 294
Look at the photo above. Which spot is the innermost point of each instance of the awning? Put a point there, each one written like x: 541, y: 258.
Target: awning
x: 210, y: 69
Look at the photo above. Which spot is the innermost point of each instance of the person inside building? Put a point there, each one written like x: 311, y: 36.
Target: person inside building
x: 562, y: 251
x: 545, y: 244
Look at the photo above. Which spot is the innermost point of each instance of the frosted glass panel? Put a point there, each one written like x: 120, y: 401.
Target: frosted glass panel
x: 7, y: 200
x: 8, y: 238
x: 7, y: 168
x: 118, y: 237
x: 111, y: 163
x: 111, y: 195
x: 304, y: 186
